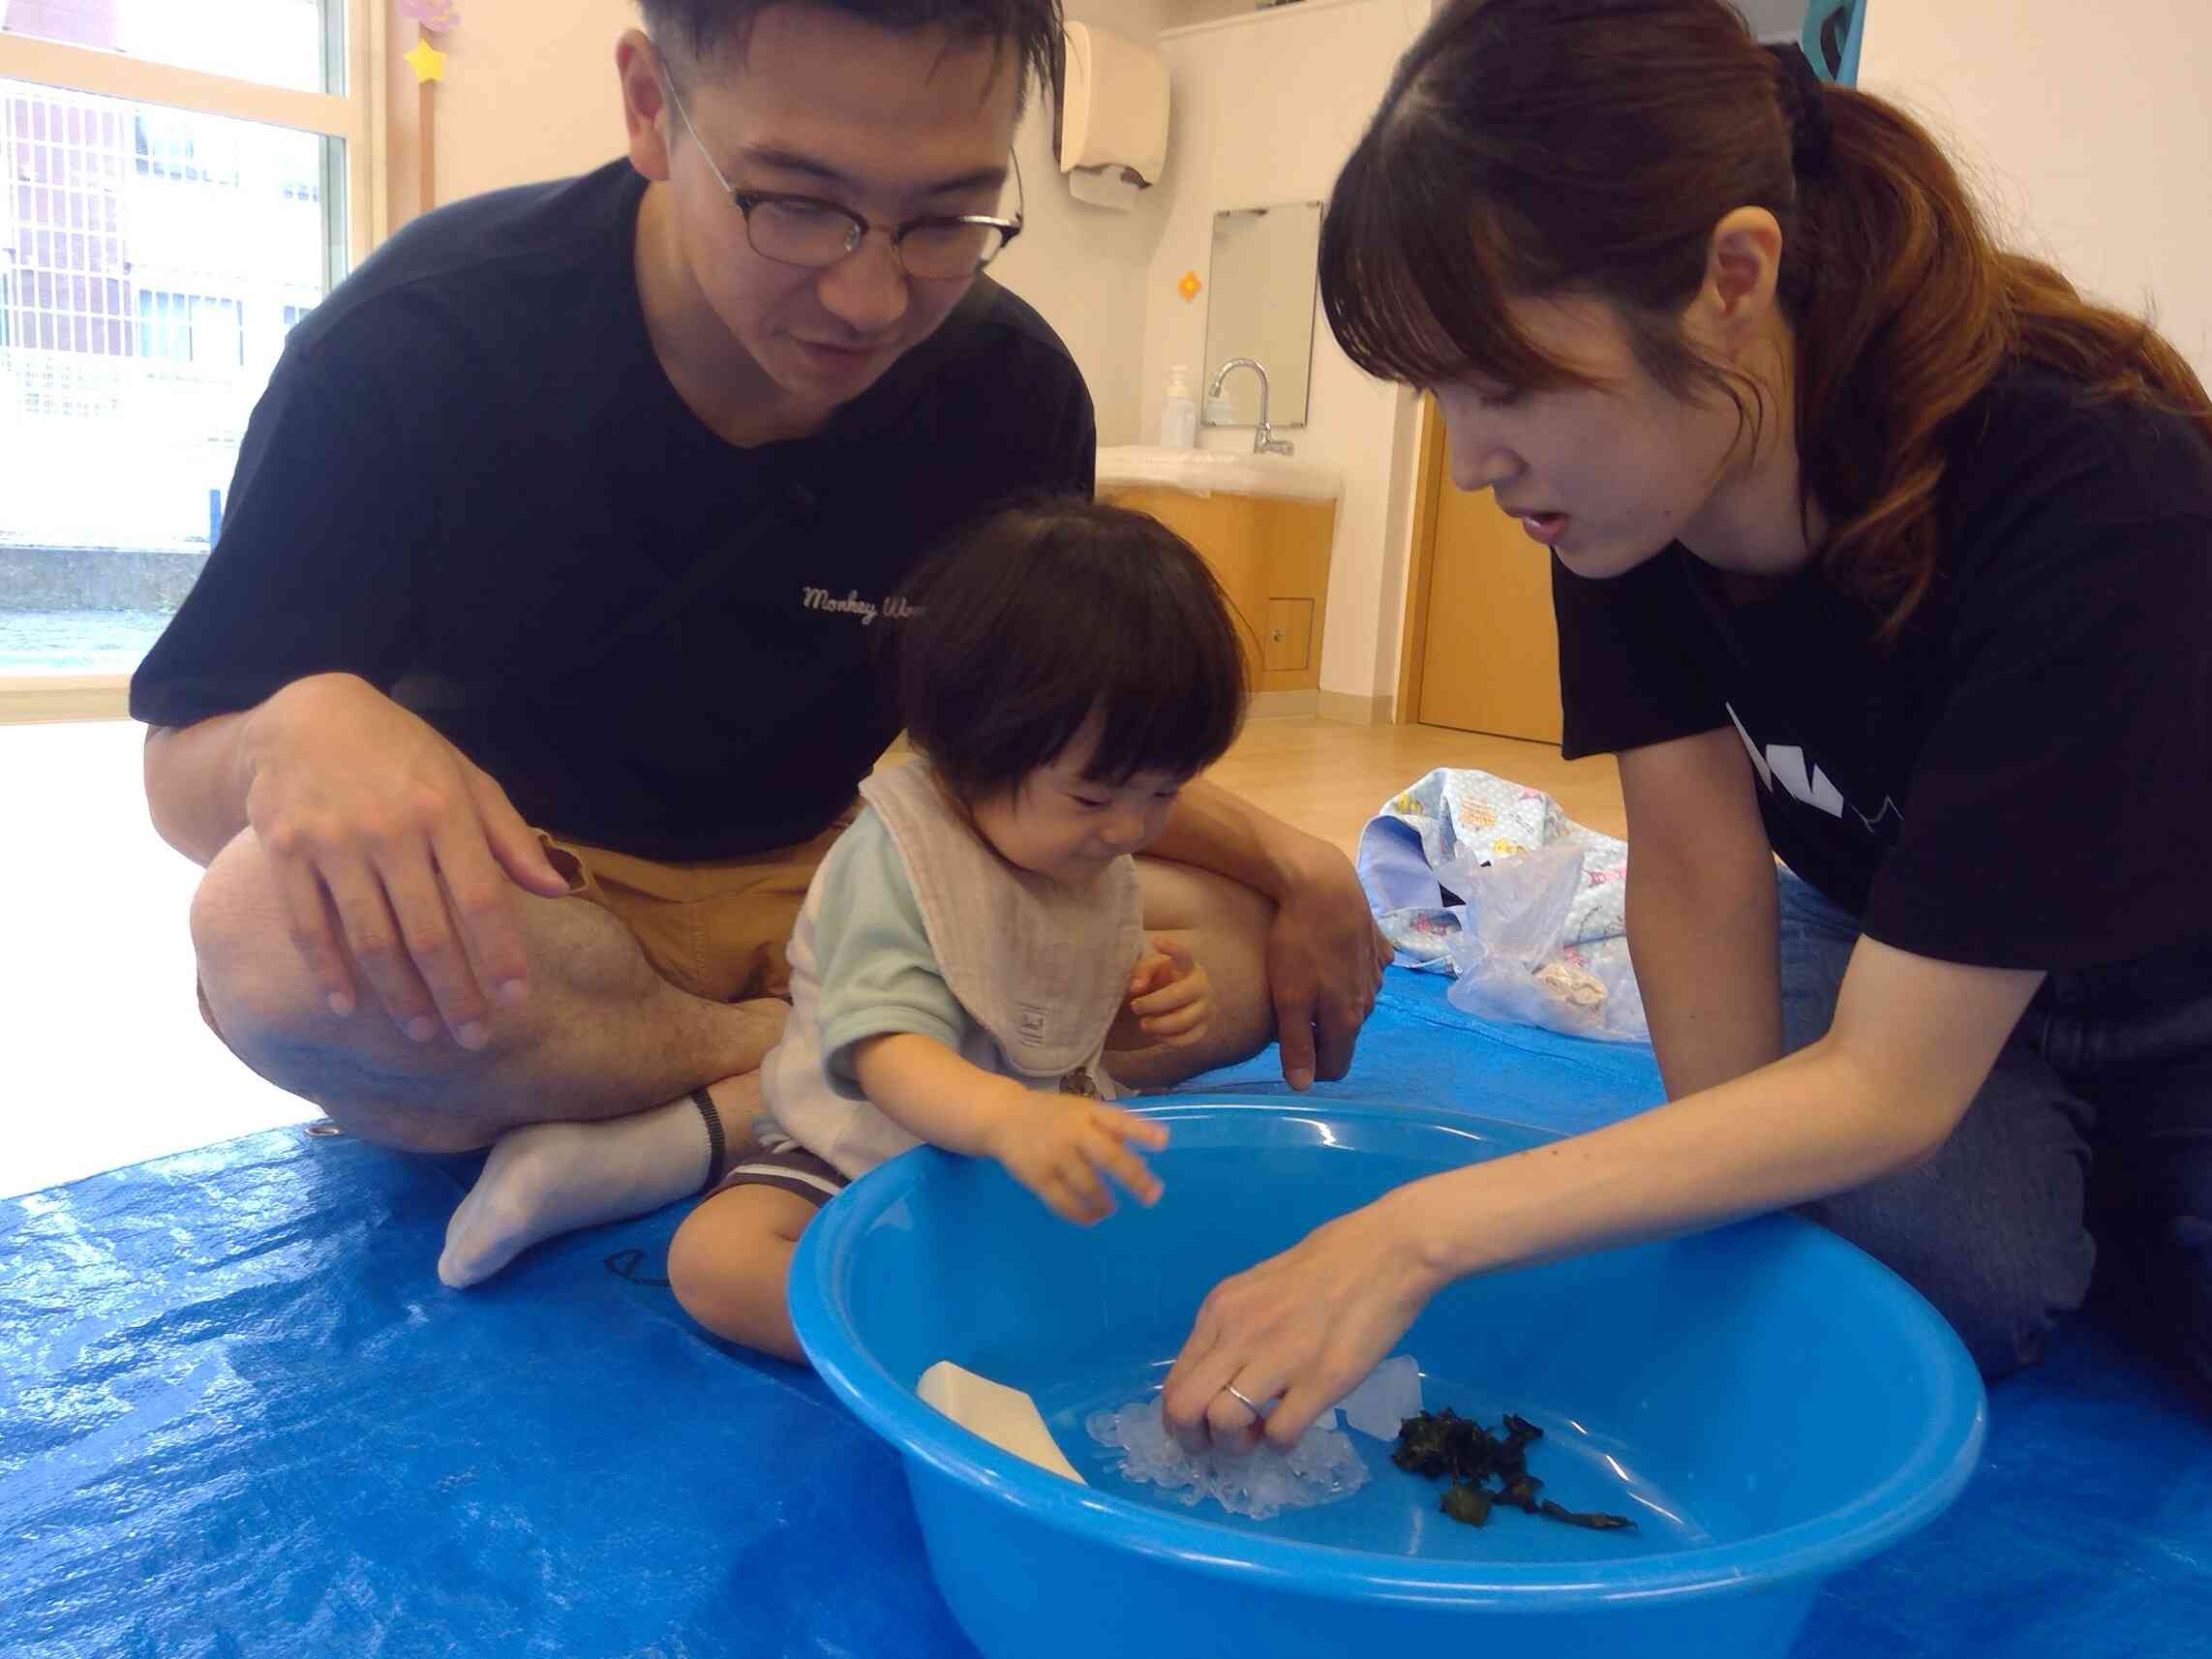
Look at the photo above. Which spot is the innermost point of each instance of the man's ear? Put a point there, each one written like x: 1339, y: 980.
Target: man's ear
x: 645, y: 103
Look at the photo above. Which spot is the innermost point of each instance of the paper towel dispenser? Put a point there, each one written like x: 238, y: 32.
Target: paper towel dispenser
x: 1113, y: 116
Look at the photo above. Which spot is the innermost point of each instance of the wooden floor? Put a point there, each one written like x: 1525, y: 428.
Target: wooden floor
x: 106, y: 1062
x: 1329, y: 778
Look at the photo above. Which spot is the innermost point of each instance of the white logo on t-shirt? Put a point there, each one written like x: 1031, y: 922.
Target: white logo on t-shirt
x: 1786, y: 763
x: 894, y: 608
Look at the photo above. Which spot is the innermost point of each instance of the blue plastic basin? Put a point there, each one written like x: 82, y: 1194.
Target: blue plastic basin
x: 1768, y: 1402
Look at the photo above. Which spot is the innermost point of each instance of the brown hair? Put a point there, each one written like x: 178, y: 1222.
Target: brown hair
x: 1053, y: 610
x: 1548, y: 147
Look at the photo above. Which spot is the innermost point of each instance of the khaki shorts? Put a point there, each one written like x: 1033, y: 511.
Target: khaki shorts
x: 718, y: 929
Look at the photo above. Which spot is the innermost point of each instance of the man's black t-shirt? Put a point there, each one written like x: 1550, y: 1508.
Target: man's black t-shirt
x: 470, y: 483
x: 2023, y: 777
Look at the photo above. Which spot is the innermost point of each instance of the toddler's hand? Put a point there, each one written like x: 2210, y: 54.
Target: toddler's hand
x: 1059, y: 1146
x: 1170, y: 995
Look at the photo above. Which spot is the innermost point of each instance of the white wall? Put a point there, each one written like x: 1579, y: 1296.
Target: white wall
x: 1266, y: 108
x: 2089, y: 131
x: 1084, y: 267
x: 1207, y: 11
x: 1777, y: 19
x: 529, y: 93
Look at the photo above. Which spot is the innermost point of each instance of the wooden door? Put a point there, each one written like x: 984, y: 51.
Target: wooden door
x: 1489, y: 649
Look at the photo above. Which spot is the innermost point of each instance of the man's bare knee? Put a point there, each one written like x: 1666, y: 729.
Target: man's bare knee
x: 267, y: 1008
x: 255, y: 978
x: 1183, y: 898
x: 602, y: 1034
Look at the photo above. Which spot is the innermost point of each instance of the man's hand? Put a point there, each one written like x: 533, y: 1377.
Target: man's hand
x: 1325, y: 958
x: 1061, y: 1146
x: 383, y: 834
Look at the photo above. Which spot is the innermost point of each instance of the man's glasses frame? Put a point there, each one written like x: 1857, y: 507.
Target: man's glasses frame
x: 815, y: 234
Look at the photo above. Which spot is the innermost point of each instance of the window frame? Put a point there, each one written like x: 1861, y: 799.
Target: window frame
x: 356, y: 116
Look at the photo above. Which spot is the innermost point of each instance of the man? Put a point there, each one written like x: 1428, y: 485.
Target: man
x: 583, y: 507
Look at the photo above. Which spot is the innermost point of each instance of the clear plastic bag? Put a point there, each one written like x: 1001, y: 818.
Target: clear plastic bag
x: 1512, y: 959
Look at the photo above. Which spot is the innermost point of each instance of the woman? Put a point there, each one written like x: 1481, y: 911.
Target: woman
x: 1875, y: 548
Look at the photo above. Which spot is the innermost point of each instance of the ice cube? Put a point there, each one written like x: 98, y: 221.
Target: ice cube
x: 1391, y: 1394
x: 1321, y: 1467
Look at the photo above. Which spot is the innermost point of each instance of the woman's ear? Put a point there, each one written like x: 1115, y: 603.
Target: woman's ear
x: 1736, y: 302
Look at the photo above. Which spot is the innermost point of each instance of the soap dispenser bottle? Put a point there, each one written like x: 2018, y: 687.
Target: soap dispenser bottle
x: 1179, y: 412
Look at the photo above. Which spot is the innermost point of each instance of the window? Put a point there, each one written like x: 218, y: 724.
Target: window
x: 180, y: 182
x: 275, y: 43
x: 192, y: 329
x: 63, y: 227
x: 164, y: 326
x: 189, y: 147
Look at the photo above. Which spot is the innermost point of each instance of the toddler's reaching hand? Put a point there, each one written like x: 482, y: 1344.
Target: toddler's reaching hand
x: 1060, y: 1146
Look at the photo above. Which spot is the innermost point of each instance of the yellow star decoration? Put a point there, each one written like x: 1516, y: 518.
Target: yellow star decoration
x: 1189, y: 286
x: 427, y: 61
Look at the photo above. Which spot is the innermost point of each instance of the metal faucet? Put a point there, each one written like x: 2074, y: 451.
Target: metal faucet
x: 1264, y: 441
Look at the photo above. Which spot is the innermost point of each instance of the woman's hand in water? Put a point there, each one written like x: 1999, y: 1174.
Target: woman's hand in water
x: 1302, y: 1329
x: 1062, y: 1148
x: 1170, y: 996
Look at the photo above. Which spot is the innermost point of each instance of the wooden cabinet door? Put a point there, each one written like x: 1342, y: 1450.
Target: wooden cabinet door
x: 1271, y: 556
x: 1490, y: 652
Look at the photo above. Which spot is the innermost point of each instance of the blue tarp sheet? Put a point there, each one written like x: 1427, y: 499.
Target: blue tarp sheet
x: 239, y: 1416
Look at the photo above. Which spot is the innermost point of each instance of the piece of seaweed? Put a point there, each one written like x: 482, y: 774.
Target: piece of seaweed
x: 1593, y: 1520
x: 1462, y: 1451
x: 1466, y: 1501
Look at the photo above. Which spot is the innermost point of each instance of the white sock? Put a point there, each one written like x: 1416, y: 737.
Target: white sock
x: 546, y: 1179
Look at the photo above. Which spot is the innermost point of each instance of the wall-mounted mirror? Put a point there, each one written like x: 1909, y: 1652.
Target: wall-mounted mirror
x: 1260, y: 304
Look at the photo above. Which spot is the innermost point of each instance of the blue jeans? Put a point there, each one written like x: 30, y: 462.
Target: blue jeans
x: 2093, y: 1131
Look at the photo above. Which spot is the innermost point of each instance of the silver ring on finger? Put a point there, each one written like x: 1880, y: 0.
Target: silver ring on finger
x: 1244, y: 1399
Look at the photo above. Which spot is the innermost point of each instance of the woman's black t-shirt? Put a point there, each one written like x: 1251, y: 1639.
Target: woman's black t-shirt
x: 2023, y: 777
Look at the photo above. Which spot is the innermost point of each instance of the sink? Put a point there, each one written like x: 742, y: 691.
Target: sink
x: 1211, y: 472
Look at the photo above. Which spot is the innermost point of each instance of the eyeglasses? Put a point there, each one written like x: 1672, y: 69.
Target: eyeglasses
x: 809, y: 231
